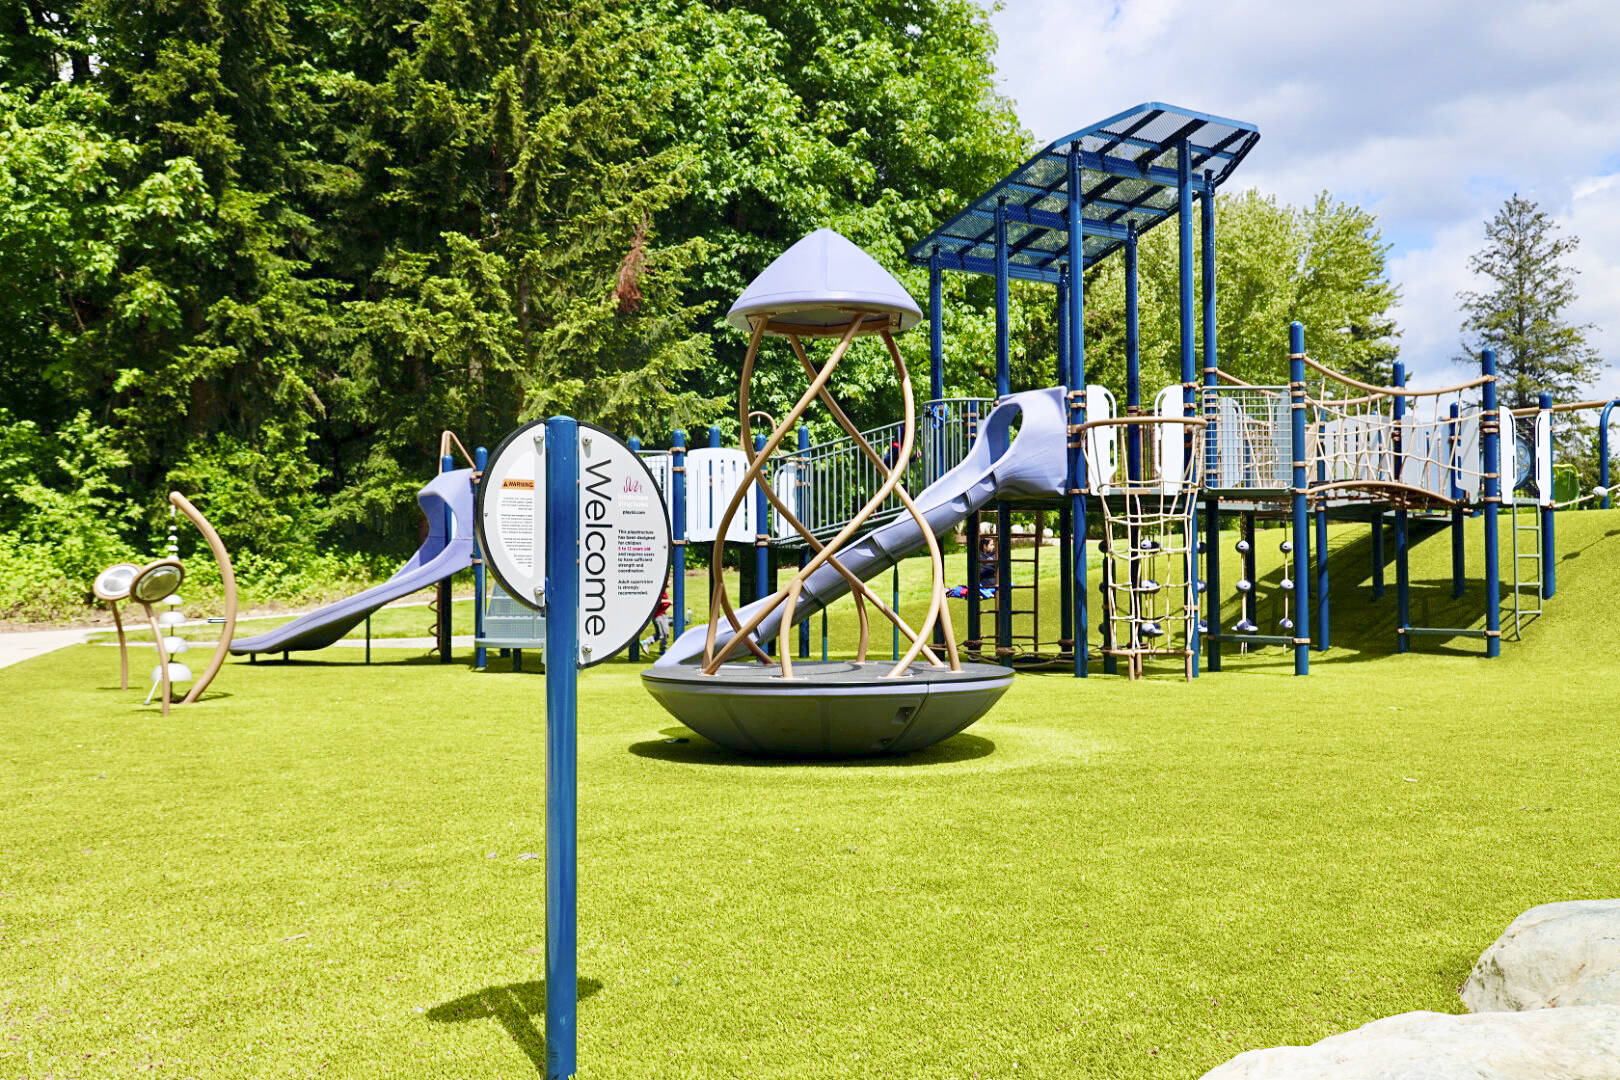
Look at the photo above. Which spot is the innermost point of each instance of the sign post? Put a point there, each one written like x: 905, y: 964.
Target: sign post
x: 571, y: 525
x: 562, y: 749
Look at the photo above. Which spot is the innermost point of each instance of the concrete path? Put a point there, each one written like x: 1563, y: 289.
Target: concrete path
x: 23, y: 645
x: 19, y: 645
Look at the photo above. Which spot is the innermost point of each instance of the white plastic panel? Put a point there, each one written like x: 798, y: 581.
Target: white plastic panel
x: 786, y: 486
x: 1543, y: 470
x: 1170, y: 439
x: 1102, y: 444
x: 712, y: 476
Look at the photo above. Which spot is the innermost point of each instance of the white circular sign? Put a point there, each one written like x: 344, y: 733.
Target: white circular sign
x: 624, y: 540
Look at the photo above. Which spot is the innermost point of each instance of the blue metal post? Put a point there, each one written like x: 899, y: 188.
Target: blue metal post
x: 1189, y: 375
x: 447, y: 463
x: 562, y: 753
x: 936, y: 370
x: 1549, y: 553
x: 1603, y: 450
x: 1212, y: 505
x: 480, y: 654
x: 936, y: 328
x: 975, y: 621
x: 1065, y: 518
x: 1003, y: 328
x: 1003, y: 388
x: 1490, y: 436
x: 714, y: 437
x: 1459, y: 561
x: 1403, y: 574
x: 1133, y: 361
x: 1378, y: 555
x: 635, y: 642
x: 1323, y: 630
x: 1075, y: 264
x: 762, y: 533
x: 1302, y: 565
x: 677, y: 487
x: 804, y: 549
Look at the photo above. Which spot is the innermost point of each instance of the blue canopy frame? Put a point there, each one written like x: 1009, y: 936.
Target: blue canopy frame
x: 1130, y: 176
x: 1108, y: 184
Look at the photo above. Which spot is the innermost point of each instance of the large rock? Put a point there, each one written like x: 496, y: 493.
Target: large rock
x: 1581, y: 1043
x: 1552, y: 955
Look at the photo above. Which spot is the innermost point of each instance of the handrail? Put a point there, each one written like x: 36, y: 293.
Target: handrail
x: 446, y: 439
x: 1396, y: 391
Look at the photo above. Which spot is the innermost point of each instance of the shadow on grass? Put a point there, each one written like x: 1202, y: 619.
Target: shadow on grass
x: 687, y: 747
x: 511, y: 1006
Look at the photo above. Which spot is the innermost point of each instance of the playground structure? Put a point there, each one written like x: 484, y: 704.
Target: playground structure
x: 157, y: 583
x: 824, y: 286
x: 1306, y: 449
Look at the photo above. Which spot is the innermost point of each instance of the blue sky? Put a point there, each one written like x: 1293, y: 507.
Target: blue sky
x: 1427, y: 112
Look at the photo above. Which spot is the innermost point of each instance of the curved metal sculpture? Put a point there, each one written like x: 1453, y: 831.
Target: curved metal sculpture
x: 824, y: 286
x: 227, y: 578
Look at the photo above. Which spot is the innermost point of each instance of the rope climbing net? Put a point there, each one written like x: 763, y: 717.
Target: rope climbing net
x: 1149, y: 576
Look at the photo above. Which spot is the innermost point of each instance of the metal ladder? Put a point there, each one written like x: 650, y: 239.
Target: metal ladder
x: 1527, y: 541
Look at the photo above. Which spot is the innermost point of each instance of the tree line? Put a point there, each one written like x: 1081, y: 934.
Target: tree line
x: 265, y: 250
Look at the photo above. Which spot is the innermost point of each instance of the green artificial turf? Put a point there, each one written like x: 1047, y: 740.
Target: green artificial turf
x: 331, y: 869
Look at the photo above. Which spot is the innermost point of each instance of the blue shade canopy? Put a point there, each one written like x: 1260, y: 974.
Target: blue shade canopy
x: 1129, y: 177
x: 815, y: 286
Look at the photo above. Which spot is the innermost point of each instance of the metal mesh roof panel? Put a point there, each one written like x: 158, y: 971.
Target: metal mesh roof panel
x: 1128, y: 176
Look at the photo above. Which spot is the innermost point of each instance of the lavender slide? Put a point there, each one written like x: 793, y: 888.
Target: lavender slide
x: 448, y: 548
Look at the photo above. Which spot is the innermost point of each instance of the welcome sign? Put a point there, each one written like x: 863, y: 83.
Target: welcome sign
x: 624, y: 539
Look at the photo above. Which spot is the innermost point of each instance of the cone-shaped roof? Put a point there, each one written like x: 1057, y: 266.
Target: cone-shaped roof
x: 814, y: 286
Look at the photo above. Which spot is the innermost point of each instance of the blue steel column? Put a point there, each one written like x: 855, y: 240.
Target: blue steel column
x: 1603, y: 449
x: 1323, y: 635
x: 1133, y: 361
x: 562, y: 752
x: 1189, y: 375
x: 445, y: 628
x: 1077, y: 407
x: 635, y: 642
x: 480, y: 654
x: 1133, y: 449
x: 1302, y: 564
x: 1212, y: 505
x: 1459, y: 562
x: 936, y: 394
x: 762, y: 540
x: 1004, y: 594
x: 1492, y: 448
x: 677, y: 487
x: 1065, y: 519
x: 1403, y: 570
x: 1378, y: 555
x: 804, y: 549
x: 1549, y: 554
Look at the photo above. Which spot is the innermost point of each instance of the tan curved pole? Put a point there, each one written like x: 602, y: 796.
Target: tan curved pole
x: 227, y: 577
x: 857, y: 587
x: 123, y: 647
x: 941, y: 611
x: 163, y: 655
x: 719, y: 598
x: 891, y: 479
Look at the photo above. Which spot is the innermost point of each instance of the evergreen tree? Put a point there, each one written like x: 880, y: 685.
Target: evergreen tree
x: 1521, y: 312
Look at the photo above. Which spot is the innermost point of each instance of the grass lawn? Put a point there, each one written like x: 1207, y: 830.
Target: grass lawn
x: 330, y: 869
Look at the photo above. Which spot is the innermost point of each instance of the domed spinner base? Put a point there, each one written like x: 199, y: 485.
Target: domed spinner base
x: 827, y: 710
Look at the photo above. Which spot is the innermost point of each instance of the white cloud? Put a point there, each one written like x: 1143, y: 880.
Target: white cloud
x: 1427, y: 113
